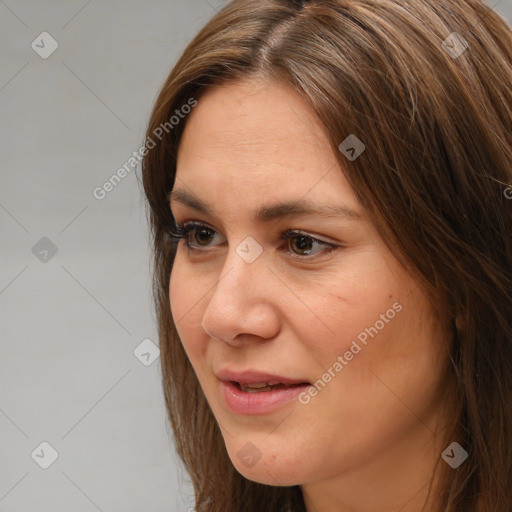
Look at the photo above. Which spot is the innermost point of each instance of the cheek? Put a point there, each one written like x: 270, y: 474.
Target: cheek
x: 379, y: 324
x: 347, y: 313
x: 386, y: 338
x: 176, y: 290
x: 184, y: 309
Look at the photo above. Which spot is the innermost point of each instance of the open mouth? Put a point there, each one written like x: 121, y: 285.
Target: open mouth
x: 261, y: 387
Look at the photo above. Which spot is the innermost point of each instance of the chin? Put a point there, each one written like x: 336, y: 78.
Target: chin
x: 265, y: 466
x: 268, y: 475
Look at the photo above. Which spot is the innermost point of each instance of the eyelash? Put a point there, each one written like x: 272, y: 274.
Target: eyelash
x: 181, y: 231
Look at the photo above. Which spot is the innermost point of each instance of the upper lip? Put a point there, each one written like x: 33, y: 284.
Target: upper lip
x: 253, y: 376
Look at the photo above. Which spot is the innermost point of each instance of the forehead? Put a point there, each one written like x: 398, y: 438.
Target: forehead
x: 243, y: 119
x: 250, y: 143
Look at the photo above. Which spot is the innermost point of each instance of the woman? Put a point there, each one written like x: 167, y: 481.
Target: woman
x: 328, y: 186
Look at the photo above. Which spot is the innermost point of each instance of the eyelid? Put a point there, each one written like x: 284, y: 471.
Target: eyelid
x: 317, y: 237
x: 182, y: 230
x: 200, y: 224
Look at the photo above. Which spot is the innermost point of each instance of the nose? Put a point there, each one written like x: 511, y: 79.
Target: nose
x: 242, y: 308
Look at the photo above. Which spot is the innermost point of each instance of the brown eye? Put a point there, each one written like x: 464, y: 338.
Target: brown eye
x: 302, y: 243
x: 202, y: 235
x: 299, y: 242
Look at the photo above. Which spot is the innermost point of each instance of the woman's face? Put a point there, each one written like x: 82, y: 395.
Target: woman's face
x: 350, y: 319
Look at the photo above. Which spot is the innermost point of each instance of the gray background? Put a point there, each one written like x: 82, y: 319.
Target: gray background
x: 71, y: 321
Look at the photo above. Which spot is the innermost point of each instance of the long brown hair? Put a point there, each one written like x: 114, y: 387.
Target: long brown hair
x: 434, y: 178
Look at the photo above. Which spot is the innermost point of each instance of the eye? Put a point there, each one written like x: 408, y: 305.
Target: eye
x: 184, y: 230
x: 304, y: 242
x: 202, y: 235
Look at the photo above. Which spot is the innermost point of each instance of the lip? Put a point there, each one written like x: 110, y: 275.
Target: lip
x: 247, y: 403
x: 253, y: 376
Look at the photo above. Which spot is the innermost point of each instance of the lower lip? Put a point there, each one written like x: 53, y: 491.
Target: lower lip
x: 261, y: 402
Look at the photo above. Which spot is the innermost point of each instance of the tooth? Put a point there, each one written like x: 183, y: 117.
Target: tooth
x: 256, y: 390
x: 256, y: 385
x: 262, y: 386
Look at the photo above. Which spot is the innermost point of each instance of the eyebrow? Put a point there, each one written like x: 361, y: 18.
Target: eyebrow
x: 269, y: 212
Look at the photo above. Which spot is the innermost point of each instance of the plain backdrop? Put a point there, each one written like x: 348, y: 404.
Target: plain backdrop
x: 83, y: 425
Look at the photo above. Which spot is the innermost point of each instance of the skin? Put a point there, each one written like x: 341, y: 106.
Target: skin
x: 376, y: 425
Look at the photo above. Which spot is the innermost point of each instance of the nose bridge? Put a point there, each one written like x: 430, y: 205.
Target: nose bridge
x: 243, y: 267
x: 237, y: 304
